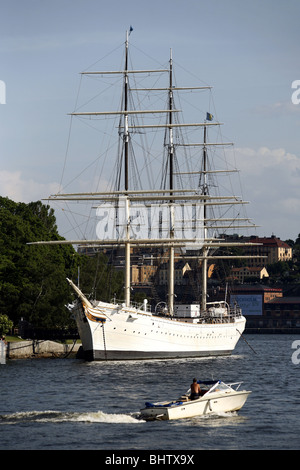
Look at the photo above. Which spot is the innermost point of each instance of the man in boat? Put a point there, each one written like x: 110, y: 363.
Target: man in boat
x: 195, y: 390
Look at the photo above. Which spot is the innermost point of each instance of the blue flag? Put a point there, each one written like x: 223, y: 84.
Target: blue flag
x: 209, y: 117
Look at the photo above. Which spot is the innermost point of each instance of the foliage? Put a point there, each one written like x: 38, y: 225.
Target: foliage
x: 33, y: 278
x: 222, y: 268
x: 99, y: 280
x: 5, y: 325
x: 33, y: 282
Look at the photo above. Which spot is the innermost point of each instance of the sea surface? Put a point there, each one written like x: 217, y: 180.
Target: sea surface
x: 69, y: 404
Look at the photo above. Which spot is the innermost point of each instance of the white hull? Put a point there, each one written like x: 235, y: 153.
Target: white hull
x: 110, y: 332
x: 216, y: 402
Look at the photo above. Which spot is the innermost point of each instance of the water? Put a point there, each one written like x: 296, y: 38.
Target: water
x: 70, y: 404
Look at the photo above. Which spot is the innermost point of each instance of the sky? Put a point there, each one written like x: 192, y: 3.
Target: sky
x: 248, y: 51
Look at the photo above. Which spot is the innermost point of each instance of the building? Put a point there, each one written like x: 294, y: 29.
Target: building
x: 142, y: 274
x: 252, y: 299
x: 180, y: 269
x: 271, y: 250
x: 266, y: 310
x: 242, y: 274
x: 284, y: 311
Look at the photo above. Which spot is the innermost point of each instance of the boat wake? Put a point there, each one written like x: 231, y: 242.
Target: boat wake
x: 60, y: 416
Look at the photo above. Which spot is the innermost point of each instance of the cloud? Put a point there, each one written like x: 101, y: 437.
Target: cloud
x: 15, y: 187
x: 270, y: 179
x: 279, y: 109
x: 256, y: 161
x: 271, y: 182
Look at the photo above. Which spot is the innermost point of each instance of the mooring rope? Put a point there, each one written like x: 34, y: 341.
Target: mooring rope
x: 104, y: 342
x: 246, y: 341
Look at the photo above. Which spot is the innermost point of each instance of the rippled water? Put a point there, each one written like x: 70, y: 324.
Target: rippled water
x: 71, y: 404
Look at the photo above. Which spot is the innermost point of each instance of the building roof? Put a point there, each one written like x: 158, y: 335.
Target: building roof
x: 285, y: 300
x: 270, y: 241
x: 250, y: 269
x: 257, y: 288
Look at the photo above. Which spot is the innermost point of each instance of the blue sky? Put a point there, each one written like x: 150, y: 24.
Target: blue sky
x: 248, y: 52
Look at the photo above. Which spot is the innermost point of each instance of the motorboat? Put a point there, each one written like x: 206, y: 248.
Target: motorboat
x: 215, y: 397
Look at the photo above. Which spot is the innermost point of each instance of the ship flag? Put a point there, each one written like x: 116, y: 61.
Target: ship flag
x: 209, y: 117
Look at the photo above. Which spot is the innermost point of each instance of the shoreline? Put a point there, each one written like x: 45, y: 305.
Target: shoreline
x: 40, y: 349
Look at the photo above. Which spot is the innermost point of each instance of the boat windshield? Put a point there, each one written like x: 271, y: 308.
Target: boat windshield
x: 222, y: 387
x: 219, y: 387
x: 209, y: 386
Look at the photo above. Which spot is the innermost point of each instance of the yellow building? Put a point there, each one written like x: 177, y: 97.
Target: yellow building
x: 271, y: 249
x: 241, y: 274
x: 142, y: 274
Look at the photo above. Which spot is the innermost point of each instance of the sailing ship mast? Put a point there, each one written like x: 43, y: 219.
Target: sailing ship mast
x: 205, y: 249
x: 126, y: 142
x: 171, y: 162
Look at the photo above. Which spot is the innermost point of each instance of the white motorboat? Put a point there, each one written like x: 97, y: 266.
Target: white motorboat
x: 215, y: 397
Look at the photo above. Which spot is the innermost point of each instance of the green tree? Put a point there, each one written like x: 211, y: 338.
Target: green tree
x: 99, y: 279
x: 33, y: 278
x: 5, y: 325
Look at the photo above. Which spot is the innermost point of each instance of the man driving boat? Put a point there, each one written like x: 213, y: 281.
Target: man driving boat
x: 195, y: 390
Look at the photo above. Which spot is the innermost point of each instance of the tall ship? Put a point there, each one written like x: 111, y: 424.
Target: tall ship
x: 180, y: 210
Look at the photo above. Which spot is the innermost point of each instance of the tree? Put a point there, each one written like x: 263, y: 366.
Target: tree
x: 5, y: 325
x: 33, y: 278
x: 33, y: 282
x: 99, y: 279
